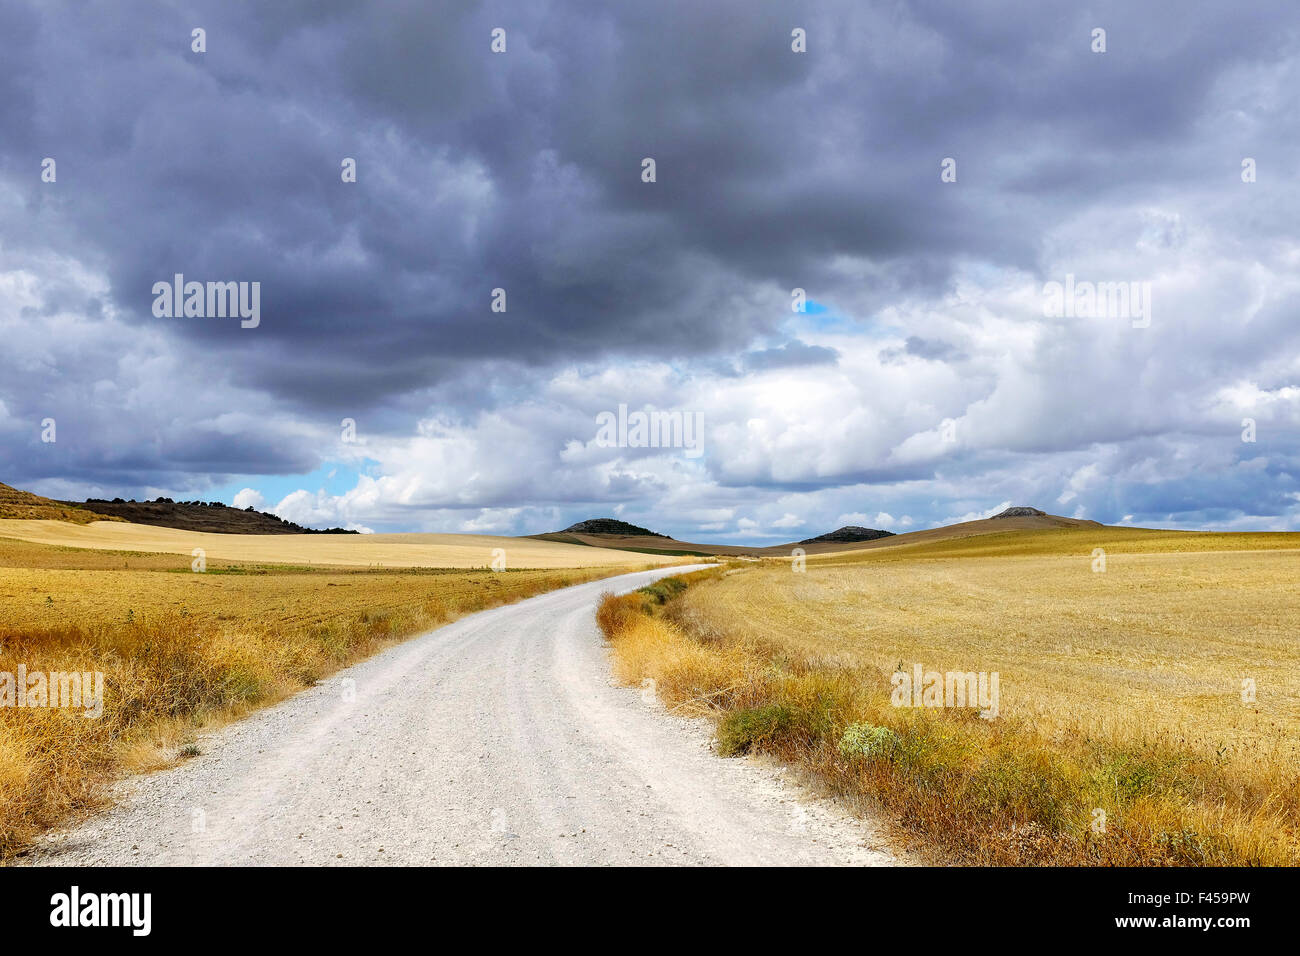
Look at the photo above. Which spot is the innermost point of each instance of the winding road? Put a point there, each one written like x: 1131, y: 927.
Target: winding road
x: 498, y: 739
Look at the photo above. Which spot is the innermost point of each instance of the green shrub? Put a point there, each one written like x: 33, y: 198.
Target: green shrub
x: 661, y: 592
x: 743, y: 730
x: 868, y: 742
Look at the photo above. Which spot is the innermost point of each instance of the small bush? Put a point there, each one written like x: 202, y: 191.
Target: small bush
x: 868, y: 742
x: 661, y: 592
x: 614, y: 613
x: 743, y: 730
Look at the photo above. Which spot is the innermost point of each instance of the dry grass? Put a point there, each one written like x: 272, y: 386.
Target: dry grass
x: 1120, y: 692
x: 182, y: 651
x: 280, y: 598
x: 1073, y: 541
x: 1158, y: 643
x: 353, y: 550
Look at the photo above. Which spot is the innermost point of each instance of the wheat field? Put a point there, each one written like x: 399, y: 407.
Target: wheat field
x: 1159, y: 642
x: 1123, y: 692
x: 182, y: 651
x: 355, y: 550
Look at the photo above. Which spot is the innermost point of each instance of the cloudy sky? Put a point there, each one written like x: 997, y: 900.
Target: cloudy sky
x: 925, y: 378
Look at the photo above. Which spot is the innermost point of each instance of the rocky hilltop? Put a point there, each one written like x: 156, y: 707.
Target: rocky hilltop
x: 609, y: 526
x: 1020, y: 511
x: 849, y: 533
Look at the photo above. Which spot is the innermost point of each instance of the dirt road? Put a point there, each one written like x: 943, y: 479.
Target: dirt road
x: 499, y: 739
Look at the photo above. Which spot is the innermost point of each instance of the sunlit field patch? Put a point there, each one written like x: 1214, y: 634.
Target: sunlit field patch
x: 314, y: 550
x: 1149, y: 713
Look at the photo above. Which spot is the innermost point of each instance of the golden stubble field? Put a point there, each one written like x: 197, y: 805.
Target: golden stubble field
x: 1121, y: 691
x: 355, y: 550
x: 182, y: 651
x: 1158, y: 643
x: 94, y: 588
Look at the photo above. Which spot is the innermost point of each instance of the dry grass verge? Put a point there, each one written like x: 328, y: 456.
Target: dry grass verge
x: 181, y: 652
x: 974, y: 791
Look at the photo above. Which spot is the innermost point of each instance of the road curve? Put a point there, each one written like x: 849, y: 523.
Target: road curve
x: 499, y: 739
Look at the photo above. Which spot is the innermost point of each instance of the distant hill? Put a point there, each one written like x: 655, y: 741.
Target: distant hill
x: 619, y: 534
x: 609, y: 526
x: 1010, y: 521
x: 24, y: 504
x: 211, y: 516
x: 162, y: 512
x: 1020, y: 511
x: 849, y: 533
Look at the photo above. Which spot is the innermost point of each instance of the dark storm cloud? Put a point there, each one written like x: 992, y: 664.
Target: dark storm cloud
x: 932, y: 349
x: 522, y: 170
x: 789, y: 355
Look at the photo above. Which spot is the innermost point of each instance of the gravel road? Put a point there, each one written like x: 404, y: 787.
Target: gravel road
x: 499, y: 739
